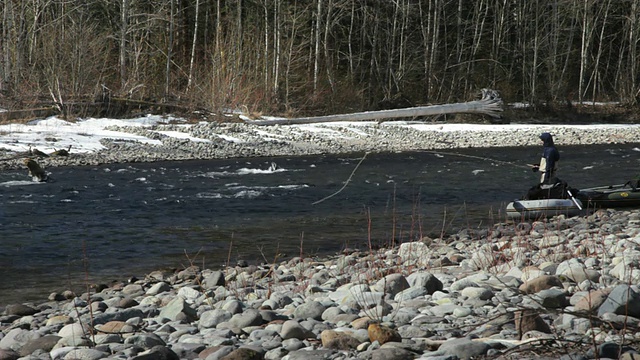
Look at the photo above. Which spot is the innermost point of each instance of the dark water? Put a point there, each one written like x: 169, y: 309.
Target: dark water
x: 96, y: 224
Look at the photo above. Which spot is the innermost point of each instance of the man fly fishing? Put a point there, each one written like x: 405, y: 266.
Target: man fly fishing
x: 549, y: 160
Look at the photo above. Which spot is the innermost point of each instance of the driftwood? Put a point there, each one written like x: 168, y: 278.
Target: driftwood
x: 490, y: 105
x: 27, y: 114
x: 104, y: 107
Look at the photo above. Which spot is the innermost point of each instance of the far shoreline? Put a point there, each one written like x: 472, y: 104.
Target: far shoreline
x: 210, y: 141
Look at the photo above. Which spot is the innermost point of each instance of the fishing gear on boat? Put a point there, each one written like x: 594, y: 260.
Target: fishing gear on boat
x: 574, y: 199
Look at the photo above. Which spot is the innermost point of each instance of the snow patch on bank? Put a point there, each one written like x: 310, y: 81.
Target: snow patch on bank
x: 84, y: 135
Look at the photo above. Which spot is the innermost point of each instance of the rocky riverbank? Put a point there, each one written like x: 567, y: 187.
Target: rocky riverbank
x: 560, y: 288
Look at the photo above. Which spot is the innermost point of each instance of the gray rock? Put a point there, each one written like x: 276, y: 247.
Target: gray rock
x: 213, y: 280
x: 245, y: 353
x: 250, y: 317
x: 291, y: 329
x: 463, y: 283
x: 190, y: 294
x: 411, y: 331
x: 443, y: 310
x: 569, y: 266
x: 461, y: 312
x: 233, y: 306
x: 186, y: 350
x: 464, y: 348
x: 85, y: 354
x: 320, y: 277
x: 61, y: 352
x: 405, y: 314
x: 74, y: 341
x: 146, y: 341
x: 15, y: 339
x: 189, y: 273
x: 261, y: 335
x: 410, y: 293
x: 392, y: 354
x: 309, y: 310
x: 118, y: 315
x: 282, y: 299
x: 74, y: 329
x: 159, y: 288
x: 20, y: 310
x: 414, y: 253
x: 392, y: 284
x: 425, y: 280
x: 133, y: 290
x: 477, y: 293
x: 357, y: 299
x: 176, y: 307
x: 426, y: 320
x: 331, y: 313
x: 579, y: 273
x: 619, y: 322
x: 98, y: 306
x: 552, y: 298
x: 292, y: 344
x: 276, y: 354
x: 309, y: 355
x: 344, y: 318
x: 157, y: 352
x: 269, y: 316
x: 623, y: 300
x: 127, y: 303
x: 211, y: 318
x: 607, y: 350
x: 107, y: 338
x: 218, y: 352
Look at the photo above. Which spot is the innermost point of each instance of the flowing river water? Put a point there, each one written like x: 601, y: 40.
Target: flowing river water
x: 101, y: 223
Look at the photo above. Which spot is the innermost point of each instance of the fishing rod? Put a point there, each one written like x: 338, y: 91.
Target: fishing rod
x: 437, y: 152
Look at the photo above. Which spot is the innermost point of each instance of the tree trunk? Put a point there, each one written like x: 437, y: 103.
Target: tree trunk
x: 124, y: 28
x: 316, y: 53
x: 167, y: 73
x: 490, y: 104
x: 193, y: 45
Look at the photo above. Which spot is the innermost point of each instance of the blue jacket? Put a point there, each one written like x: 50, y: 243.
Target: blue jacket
x: 550, y: 154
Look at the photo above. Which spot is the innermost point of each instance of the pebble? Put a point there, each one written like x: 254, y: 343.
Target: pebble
x: 511, y: 291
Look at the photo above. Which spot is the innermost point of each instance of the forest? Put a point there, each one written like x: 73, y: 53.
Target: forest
x: 315, y: 57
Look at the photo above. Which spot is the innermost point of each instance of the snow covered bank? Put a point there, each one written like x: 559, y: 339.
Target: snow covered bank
x: 157, y: 138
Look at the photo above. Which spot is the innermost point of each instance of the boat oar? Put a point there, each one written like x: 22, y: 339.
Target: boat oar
x: 574, y: 199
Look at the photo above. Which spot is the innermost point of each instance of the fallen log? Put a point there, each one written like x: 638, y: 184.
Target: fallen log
x: 490, y: 104
x: 23, y: 116
x: 108, y: 107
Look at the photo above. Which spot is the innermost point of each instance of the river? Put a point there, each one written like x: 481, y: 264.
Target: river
x: 102, y: 223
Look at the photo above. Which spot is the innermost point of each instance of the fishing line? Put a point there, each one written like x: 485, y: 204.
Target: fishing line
x: 425, y: 151
x: 346, y: 182
x: 475, y: 157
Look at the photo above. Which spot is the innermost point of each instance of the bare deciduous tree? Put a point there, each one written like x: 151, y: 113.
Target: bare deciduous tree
x: 323, y: 55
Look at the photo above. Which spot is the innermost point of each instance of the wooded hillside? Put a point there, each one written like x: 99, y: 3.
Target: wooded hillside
x: 317, y: 56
